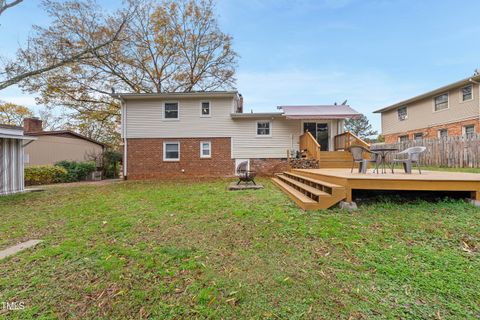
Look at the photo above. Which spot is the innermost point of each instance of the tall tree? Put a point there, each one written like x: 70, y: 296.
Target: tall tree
x: 361, y: 127
x: 172, y: 46
x: 78, y: 32
x: 13, y: 114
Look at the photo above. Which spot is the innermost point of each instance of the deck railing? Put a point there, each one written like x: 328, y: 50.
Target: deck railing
x: 347, y: 139
x: 310, y: 144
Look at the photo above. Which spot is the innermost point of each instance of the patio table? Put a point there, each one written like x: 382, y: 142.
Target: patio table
x: 382, y: 152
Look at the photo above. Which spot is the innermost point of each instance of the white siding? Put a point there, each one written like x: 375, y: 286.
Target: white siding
x: 246, y: 144
x: 144, y: 120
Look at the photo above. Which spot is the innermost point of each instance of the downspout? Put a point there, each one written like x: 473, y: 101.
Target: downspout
x: 124, y: 129
x: 123, y: 119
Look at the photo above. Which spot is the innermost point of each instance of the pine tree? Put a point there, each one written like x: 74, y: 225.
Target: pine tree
x: 360, y: 127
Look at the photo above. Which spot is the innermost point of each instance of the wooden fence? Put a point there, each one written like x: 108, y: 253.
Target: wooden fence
x: 460, y: 151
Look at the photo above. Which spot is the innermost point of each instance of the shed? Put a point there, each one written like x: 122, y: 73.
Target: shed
x: 12, y: 142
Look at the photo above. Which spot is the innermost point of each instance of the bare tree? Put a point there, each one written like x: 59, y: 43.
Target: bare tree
x: 172, y: 46
x: 78, y: 33
x: 4, y: 5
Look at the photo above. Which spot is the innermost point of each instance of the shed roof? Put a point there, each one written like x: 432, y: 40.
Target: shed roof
x: 9, y: 126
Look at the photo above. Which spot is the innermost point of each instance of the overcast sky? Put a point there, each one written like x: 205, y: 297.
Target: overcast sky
x: 371, y: 52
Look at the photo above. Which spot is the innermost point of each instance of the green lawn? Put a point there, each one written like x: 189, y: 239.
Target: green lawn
x: 194, y: 250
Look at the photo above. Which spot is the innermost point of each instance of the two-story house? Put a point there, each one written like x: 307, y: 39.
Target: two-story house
x: 206, y: 134
x: 451, y: 110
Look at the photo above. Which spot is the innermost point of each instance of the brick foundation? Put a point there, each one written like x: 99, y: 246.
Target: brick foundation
x: 145, y: 159
x: 268, y: 167
x: 453, y: 129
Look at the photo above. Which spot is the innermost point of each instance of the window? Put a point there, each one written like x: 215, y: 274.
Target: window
x: 469, y: 131
x: 467, y: 93
x: 171, y: 151
x: 264, y: 128
x: 171, y: 110
x: 205, y: 109
x: 403, y: 138
x: 402, y: 113
x: 443, y: 133
x: 418, y: 136
x: 205, y: 149
x: 441, y: 102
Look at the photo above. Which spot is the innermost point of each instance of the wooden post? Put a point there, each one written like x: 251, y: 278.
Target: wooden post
x: 475, y: 195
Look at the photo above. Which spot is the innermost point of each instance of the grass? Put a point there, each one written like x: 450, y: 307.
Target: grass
x: 194, y: 250
x: 471, y: 170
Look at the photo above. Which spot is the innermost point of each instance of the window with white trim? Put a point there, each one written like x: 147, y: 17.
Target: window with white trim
x: 205, y: 109
x: 402, y: 113
x: 418, y: 136
x: 264, y: 128
x: 403, y: 138
x: 205, y: 149
x: 171, y: 151
x: 469, y: 131
x: 441, y: 102
x: 467, y: 93
x: 170, y: 110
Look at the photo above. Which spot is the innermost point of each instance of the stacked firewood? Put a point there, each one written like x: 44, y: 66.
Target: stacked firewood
x: 304, y: 163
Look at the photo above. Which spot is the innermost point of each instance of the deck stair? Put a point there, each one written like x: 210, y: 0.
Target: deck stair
x: 335, y: 159
x: 309, y: 193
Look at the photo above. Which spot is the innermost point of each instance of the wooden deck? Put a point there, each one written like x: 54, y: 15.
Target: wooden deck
x: 337, y: 184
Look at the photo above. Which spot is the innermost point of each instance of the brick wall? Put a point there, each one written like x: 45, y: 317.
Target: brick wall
x: 268, y: 167
x: 453, y: 129
x: 145, y: 159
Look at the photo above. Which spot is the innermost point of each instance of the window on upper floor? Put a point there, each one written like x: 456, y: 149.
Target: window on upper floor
x: 469, y: 131
x: 443, y: 133
x: 170, y: 110
x: 264, y: 128
x: 467, y: 93
x: 402, y: 113
x: 441, y: 102
x: 205, y: 149
x: 171, y: 151
x: 205, y: 109
x: 403, y: 138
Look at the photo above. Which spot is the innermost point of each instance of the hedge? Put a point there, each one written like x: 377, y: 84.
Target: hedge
x: 45, y: 175
x: 77, y: 171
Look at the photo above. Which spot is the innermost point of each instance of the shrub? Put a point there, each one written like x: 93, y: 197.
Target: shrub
x: 77, y: 171
x: 45, y: 175
x: 112, y: 160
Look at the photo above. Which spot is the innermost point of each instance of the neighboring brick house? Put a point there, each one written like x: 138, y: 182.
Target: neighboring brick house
x: 451, y: 110
x: 54, y: 146
x: 205, y: 134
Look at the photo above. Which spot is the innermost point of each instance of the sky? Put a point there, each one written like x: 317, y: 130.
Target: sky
x: 372, y: 52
